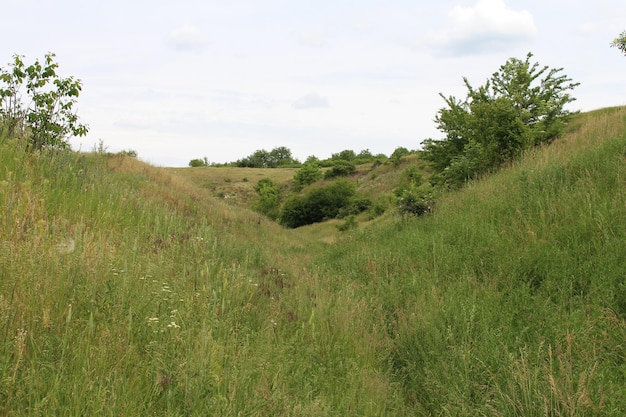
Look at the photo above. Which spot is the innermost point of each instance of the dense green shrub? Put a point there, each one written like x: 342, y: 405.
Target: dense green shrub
x: 397, y: 155
x: 317, y: 205
x: 414, y: 201
x: 269, y: 198
x: 340, y: 168
x: 355, y: 206
x: 308, y: 174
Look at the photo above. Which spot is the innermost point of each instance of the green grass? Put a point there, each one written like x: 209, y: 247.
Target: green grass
x: 131, y: 290
x: 233, y: 184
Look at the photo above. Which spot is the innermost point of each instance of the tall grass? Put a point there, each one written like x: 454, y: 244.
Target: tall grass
x: 127, y: 290
x: 509, y: 299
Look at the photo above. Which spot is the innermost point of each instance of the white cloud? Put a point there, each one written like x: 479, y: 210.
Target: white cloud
x: 310, y: 101
x: 488, y: 26
x: 187, y: 38
x: 314, y: 38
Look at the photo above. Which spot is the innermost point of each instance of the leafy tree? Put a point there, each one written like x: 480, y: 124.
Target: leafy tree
x: 307, y: 174
x: 258, y: 159
x: 194, y: 163
x: 345, y: 155
x: 261, y: 158
x: 520, y: 106
x: 312, y: 159
x: 398, y: 154
x: 281, y: 156
x: 620, y: 42
x: 365, y: 155
x: 49, y: 119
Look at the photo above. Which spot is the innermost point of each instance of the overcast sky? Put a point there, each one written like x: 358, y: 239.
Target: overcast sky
x: 181, y: 80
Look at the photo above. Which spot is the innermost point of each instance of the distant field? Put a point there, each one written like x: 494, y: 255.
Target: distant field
x: 233, y: 183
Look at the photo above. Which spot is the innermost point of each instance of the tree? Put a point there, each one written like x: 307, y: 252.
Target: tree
x: 307, y: 174
x: 345, y: 155
x: 194, y: 163
x: 49, y: 118
x: 279, y: 156
x: 398, y: 154
x: 620, y: 42
x: 520, y: 106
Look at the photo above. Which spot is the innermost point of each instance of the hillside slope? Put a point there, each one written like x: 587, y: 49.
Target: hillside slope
x: 511, y: 298
x: 128, y: 290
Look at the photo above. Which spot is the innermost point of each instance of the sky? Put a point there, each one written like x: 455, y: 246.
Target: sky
x: 176, y: 81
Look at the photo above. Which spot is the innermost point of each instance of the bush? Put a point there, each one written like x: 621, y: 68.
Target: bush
x: 415, y: 202
x: 318, y: 205
x: 376, y: 210
x: 348, y: 224
x: 340, y: 169
x: 269, y: 198
x: 398, y: 154
x: 308, y: 174
x: 355, y: 206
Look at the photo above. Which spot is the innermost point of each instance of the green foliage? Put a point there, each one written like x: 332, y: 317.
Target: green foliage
x: 340, y: 168
x: 620, y: 42
x: 363, y: 157
x: 125, y: 292
x: 345, y: 155
x: 270, y: 198
x: 355, y: 206
x: 377, y: 209
x: 317, y: 205
x: 509, y: 301
x: 414, y: 201
x: 277, y: 157
x: 413, y: 195
x: 195, y: 163
x: 520, y: 106
x: 349, y: 224
x: 309, y: 173
x: 49, y: 118
x: 398, y: 154
x: 128, y: 152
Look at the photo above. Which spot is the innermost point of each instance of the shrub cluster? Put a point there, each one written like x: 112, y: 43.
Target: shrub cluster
x: 317, y: 205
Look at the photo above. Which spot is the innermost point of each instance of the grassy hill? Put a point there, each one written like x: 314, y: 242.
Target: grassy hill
x: 131, y: 290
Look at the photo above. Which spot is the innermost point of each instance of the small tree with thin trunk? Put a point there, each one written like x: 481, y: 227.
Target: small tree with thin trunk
x: 47, y: 116
x: 521, y: 105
